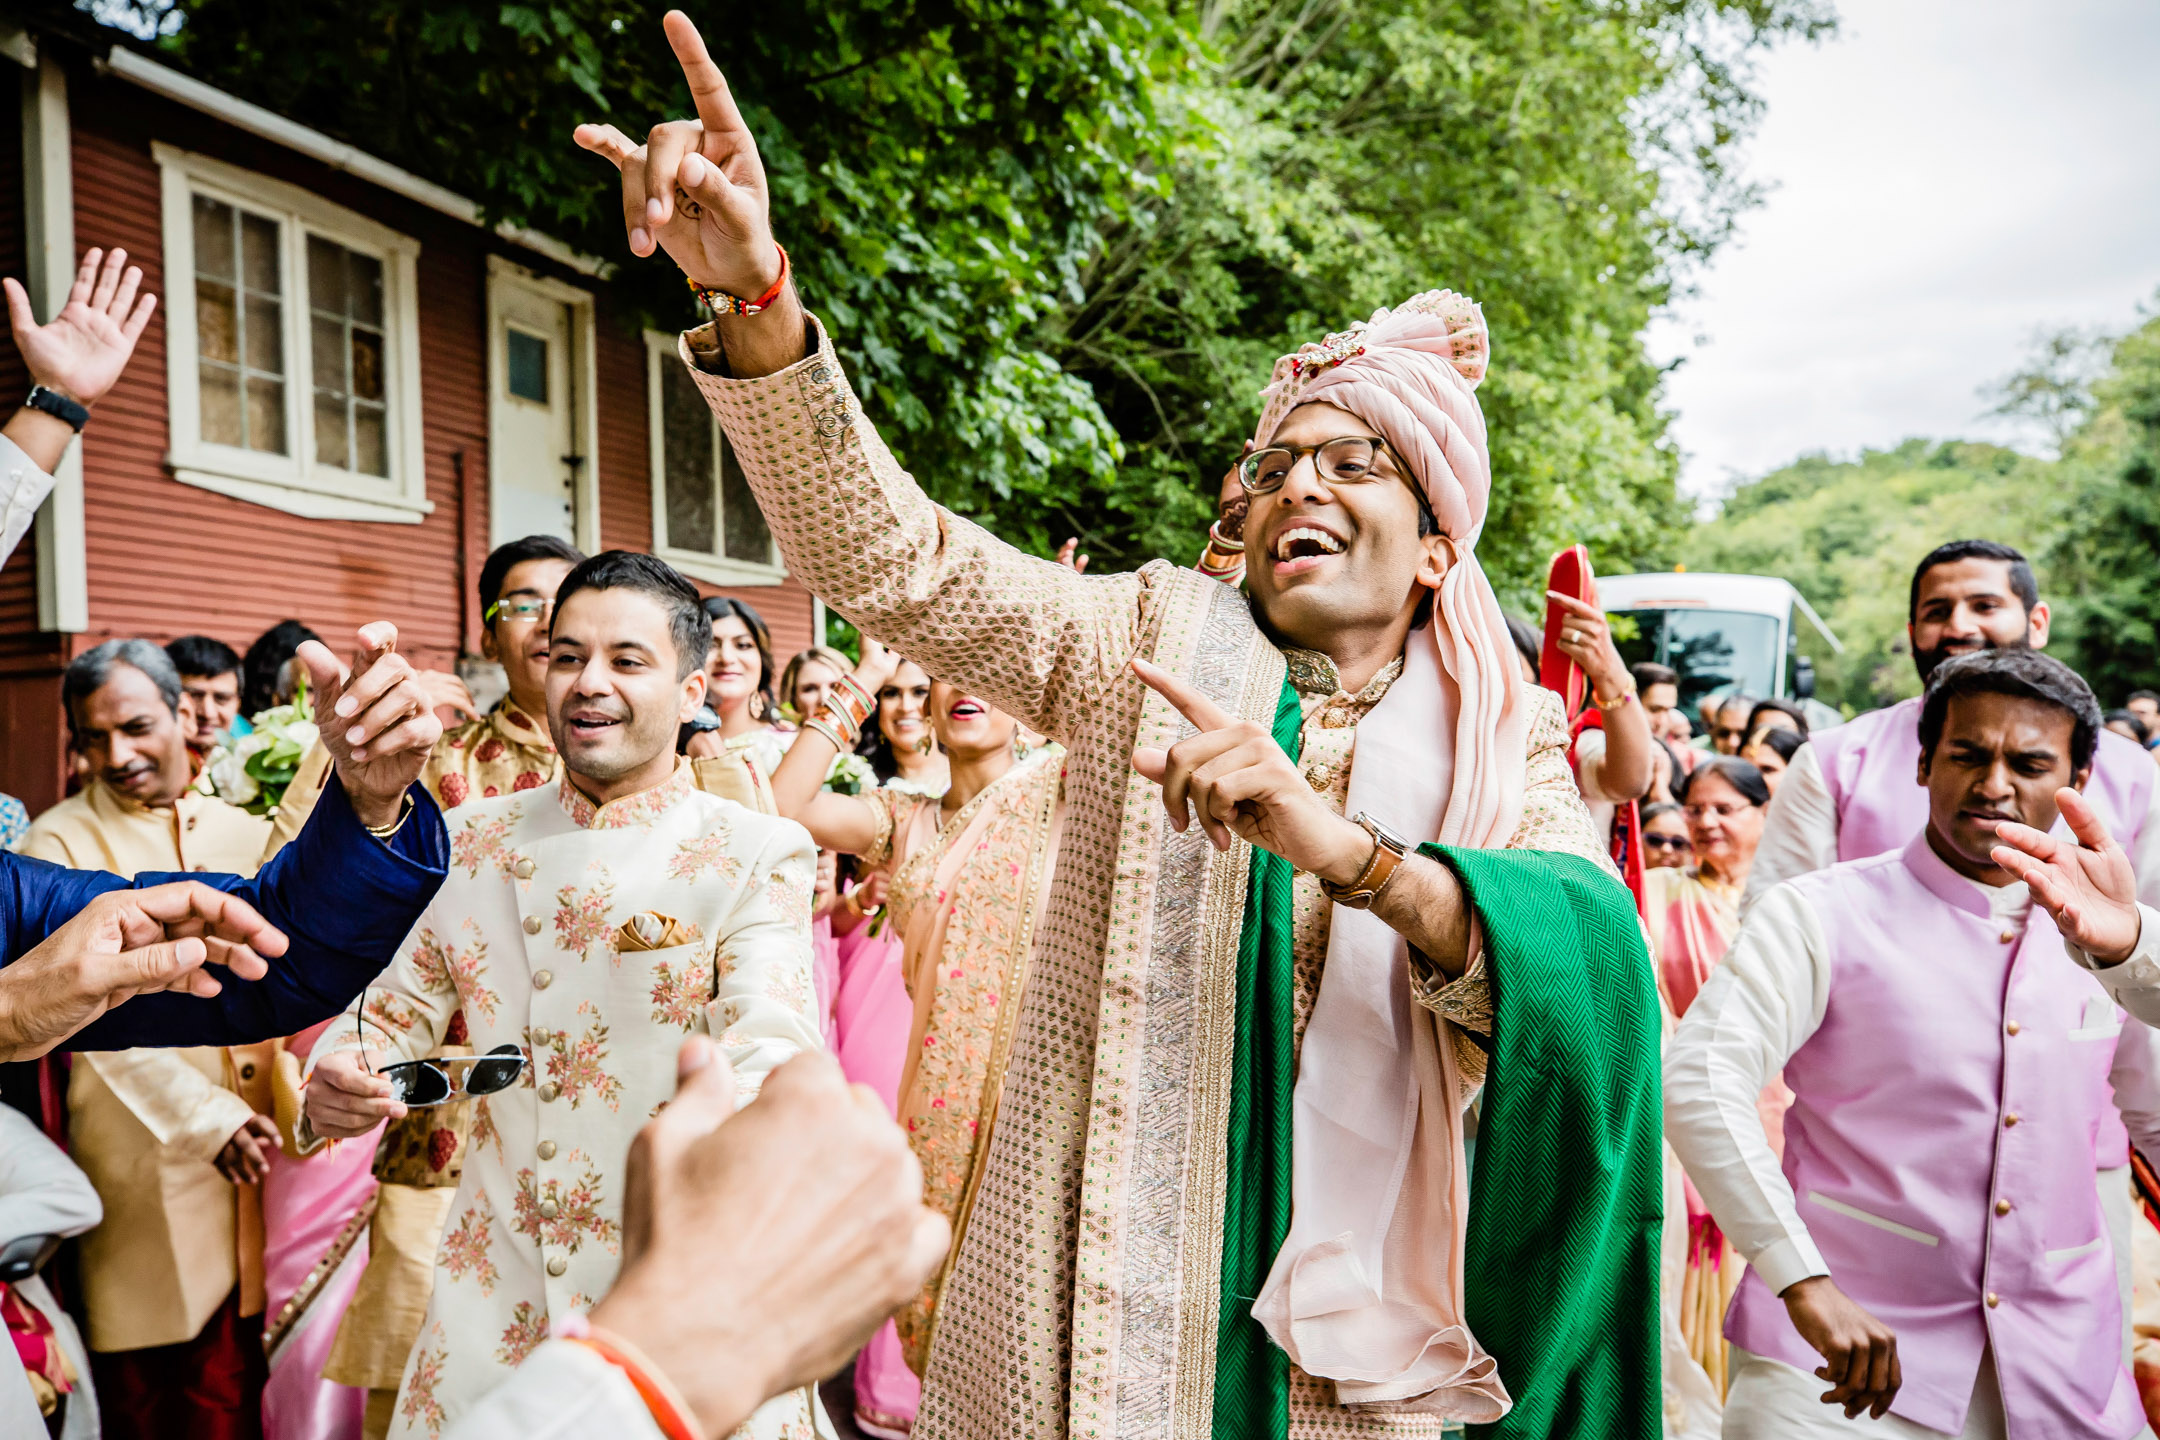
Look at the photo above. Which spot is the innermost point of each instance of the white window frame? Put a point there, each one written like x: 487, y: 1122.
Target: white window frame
x: 295, y: 483
x: 718, y: 569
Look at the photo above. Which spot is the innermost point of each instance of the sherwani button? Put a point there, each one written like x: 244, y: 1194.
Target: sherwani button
x: 2008, y: 936
x: 532, y: 924
x: 2002, y: 1207
x: 549, y: 1209
x: 546, y: 1149
x: 2010, y: 1027
x: 542, y: 979
x: 2011, y: 1119
x: 556, y: 1266
x: 549, y: 1091
x: 524, y: 868
x: 1993, y: 1299
x: 247, y: 1072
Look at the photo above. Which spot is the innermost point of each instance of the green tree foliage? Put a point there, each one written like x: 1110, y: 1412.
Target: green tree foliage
x: 1061, y: 242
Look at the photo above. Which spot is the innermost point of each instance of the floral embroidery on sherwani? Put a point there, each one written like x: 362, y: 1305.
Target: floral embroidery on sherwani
x: 536, y: 1225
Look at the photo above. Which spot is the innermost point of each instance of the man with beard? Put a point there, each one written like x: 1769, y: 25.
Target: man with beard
x: 1850, y: 791
x: 590, y: 924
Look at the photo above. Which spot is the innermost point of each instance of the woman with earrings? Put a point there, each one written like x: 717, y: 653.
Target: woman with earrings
x: 969, y: 871
x: 901, y: 747
x: 739, y: 689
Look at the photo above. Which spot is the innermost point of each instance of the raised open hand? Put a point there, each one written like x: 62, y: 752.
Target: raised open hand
x: 696, y: 188
x: 2088, y: 887
x: 83, y: 349
x: 376, y: 719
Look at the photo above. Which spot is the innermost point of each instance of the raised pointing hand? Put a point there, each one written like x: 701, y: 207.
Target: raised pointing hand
x: 2088, y: 886
x: 376, y: 719
x: 696, y: 188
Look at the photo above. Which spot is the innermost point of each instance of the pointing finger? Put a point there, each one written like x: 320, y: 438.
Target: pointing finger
x: 1189, y: 702
x: 708, y: 87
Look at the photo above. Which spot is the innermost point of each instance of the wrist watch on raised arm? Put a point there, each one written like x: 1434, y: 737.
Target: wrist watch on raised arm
x: 1387, y: 853
x: 53, y: 403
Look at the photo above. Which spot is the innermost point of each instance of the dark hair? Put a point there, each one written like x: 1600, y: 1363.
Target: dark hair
x: 2027, y: 674
x: 2021, y: 577
x: 648, y: 575
x: 264, y: 659
x: 1777, y: 707
x: 508, y: 556
x: 201, y: 655
x: 1735, y: 772
x: 1678, y: 770
x: 88, y: 672
x: 1786, y: 743
x: 720, y: 607
x: 2128, y: 717
x: 874, y: 745
x: 1649, y: 672
x: 1528, y: 643
x: 2152, y: 695
x: 1658, y: 810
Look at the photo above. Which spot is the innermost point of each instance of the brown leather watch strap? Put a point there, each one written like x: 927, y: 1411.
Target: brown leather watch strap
x: 1360, y: 893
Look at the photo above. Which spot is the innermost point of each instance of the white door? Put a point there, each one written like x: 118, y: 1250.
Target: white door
x: 534, y: 462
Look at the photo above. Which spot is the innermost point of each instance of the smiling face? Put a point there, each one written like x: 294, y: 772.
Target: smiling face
x: 1322, y: 559
x: 1665, y: 841
x: 735, y: 667
x: 214, y: 702
x: 1724, y: 826
x: 1767, y: 760
x: 2001, y: 757
x: 968, y: 727
x: 903, y: 707
x: 129, y: 738
x: 1969, y: 605
x: 813, y: 678
x: 614, y: 694
x: 519, y: 642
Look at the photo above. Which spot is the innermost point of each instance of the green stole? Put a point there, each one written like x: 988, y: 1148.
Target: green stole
x: 1566, y: 1197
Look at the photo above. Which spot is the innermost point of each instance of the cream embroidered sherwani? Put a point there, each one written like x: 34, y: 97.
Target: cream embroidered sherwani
x: 145, y: 1125
x: 1084, y: 1299
x: 531, y: 936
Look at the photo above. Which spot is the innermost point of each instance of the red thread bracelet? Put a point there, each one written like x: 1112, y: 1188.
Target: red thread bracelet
x: 722, y: 303
x: 669, y: 1410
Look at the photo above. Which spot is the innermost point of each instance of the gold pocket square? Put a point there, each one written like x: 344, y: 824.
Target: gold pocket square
x: 651, y: 930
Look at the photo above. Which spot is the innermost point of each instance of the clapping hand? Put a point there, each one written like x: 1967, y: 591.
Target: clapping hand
x: 376, y: 719
x: 2088, y: 886
x: 81, y: 351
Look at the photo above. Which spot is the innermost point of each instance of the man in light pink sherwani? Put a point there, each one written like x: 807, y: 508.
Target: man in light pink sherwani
x: 1932, y: 1250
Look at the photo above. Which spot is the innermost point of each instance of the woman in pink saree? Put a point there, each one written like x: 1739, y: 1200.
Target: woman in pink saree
x: 968, y: 875
x: 1692, y: 912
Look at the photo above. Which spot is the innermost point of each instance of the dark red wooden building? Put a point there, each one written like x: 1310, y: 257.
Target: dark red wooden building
x: 352, y: 389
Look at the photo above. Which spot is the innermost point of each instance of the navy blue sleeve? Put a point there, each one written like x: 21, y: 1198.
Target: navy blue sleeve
x: 344, y: 899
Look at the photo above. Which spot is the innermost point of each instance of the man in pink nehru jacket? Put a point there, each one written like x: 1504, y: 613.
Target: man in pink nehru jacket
x: 1932, y: 1253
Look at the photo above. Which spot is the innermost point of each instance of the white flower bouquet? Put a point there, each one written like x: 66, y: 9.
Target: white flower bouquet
x: 850, y: 774
x: 252, y: 770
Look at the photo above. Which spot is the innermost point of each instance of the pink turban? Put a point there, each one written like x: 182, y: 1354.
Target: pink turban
x: 1366, y: 1290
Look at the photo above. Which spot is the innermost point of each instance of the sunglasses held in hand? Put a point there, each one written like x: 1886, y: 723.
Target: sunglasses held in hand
x: 418, y: 1084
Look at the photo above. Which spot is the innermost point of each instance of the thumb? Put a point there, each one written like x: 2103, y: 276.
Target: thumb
x: 155, y: 967
x: 704, y: 1089
x: 18, y: 304
x: 326, y: 677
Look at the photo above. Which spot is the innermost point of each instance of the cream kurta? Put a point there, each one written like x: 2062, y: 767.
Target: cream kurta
x: 1084, y: 1299
x: 145, y: 1124
x: 530, y: 937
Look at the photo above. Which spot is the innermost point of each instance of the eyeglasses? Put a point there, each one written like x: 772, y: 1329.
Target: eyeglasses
x: 1718, y: 812
x: 525, y: 608
x: 1345, y: 460
x: 1666, y: 842
x: 418, y: 1084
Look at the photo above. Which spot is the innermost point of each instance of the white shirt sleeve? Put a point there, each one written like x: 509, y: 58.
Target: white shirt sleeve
x: 1799, y: 832
x: 2145, y: 854
x: 1760, y: 1005
x: 561, y: 1392
x: 2135, y: 983
x: 2136, y: 1078
x: 41, y: 1190
x: 23, y: 487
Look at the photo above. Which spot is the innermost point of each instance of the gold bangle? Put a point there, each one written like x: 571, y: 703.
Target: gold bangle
x: 384, y: 833
x: 1618, y: 701
x: 821, y: 726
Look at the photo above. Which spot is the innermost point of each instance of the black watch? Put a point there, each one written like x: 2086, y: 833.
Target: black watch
x: 53, y: 403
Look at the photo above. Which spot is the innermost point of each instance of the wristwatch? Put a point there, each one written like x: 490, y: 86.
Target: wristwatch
x: 1387, y: 853
x: 53, y: 403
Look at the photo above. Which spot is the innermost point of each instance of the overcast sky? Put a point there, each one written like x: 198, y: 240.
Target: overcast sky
x: 1947, y: 177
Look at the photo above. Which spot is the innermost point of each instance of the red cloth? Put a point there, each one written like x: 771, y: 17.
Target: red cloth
x: 1626, y: 839
x: 207, y: 1388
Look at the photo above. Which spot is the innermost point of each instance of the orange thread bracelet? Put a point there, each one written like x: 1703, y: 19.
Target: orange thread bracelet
x: 669, y: 1410
x: 722, y: 303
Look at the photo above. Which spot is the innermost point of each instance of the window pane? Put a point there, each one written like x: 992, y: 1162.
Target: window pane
x: 367, y: 364
x: 326, y: 345
x: 325, y: 276
x: 258, y: 254
x: 213, y: 239
x: 217, y: 322
x: 266, y: 416
x: 330, y: 441
x: 686, y: 447
x: 371, y: 456
x: 265, y: 335
x: 220, y: 404
x: 528, y: 359
x: 366, y: 289
x: 747, y: 537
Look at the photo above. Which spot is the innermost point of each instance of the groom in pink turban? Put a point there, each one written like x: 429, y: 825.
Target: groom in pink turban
x: 1226, y: 1192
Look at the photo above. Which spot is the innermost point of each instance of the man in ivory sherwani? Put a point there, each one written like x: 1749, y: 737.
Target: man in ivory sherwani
x: 591, y: 923
x: 1226, y: 1192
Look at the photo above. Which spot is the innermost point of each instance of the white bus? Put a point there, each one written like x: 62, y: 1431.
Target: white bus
x: 1722, y: 633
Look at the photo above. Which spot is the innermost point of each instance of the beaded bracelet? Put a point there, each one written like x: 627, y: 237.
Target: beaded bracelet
x: 722, y: 303
x: 669, y: 1410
